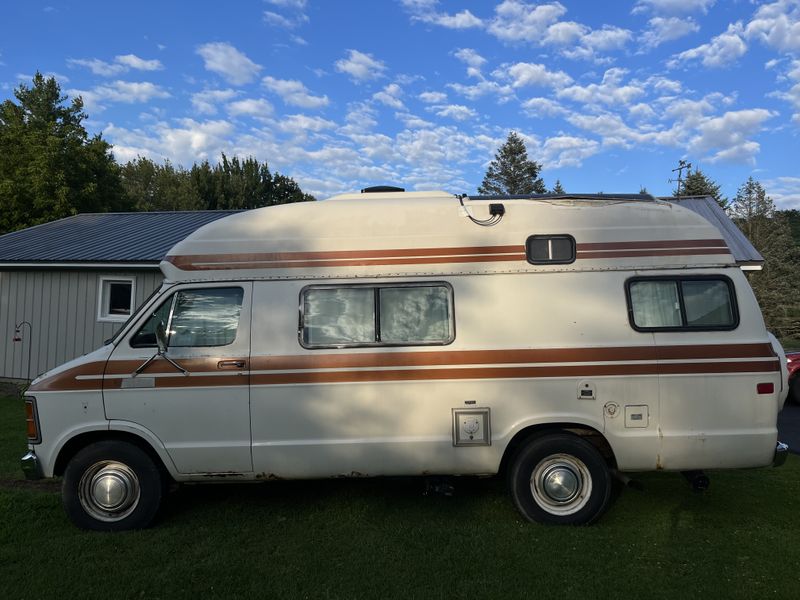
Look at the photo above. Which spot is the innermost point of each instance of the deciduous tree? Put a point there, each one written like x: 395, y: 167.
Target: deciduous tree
x: 49, y: 166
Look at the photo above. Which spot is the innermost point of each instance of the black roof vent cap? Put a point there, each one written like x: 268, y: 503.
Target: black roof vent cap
x: 376, y: 189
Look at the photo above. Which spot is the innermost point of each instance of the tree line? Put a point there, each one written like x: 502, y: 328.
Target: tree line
x: 51, y: 168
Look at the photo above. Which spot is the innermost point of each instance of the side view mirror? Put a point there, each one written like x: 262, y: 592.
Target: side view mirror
x: 161, y: 337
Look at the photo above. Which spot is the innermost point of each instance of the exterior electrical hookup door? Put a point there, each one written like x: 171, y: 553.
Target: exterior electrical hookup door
x: 208, y: 336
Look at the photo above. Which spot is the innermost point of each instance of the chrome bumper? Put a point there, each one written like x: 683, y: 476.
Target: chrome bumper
x: 31, y: 466
x: 781, y: 452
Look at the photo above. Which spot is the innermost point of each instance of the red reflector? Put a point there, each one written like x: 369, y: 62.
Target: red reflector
x: 765, y: 388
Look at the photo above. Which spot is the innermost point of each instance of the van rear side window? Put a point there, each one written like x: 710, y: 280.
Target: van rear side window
x: 682, y: 303
x: 392, y: 315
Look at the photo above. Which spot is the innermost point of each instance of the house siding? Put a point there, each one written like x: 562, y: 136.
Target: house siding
x: 61, y: 306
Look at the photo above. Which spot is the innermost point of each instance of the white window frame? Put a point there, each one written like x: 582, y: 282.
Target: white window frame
x: 102, y: 300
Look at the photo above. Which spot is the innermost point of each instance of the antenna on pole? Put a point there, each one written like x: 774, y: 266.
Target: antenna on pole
x: 682, y: 164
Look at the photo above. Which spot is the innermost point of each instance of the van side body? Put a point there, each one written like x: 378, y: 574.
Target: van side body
x: 391, y: 334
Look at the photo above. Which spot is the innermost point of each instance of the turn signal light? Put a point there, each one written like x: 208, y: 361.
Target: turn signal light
x: 32, y: 420
x: 765, y: 388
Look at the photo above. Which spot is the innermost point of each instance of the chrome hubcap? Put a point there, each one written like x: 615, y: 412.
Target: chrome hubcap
x: 109, y: 491
x: 561, y: 484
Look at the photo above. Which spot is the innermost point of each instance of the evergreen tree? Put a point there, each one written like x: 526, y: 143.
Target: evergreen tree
x: 557, y: 189
x: 511, y: 172
x: 776, y: 284
x: 49, y: 166
x: 698, y: 183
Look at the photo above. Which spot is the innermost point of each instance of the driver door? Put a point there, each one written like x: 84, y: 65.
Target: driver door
x: 201, y: 415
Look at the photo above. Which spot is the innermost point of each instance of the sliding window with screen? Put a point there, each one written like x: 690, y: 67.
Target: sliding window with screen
x: 413, y: 314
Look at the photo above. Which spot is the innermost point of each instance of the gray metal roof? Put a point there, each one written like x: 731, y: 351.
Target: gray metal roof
x: 135, y: 237
x: 743, y: 251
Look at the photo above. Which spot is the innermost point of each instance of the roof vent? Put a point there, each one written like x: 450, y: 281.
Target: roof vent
x: 377, y: 189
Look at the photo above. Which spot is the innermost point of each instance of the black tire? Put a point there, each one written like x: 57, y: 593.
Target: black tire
x: 560, y: 479
x: 111, y: 486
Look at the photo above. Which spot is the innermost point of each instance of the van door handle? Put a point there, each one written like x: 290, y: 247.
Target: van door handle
x: 231, y: 364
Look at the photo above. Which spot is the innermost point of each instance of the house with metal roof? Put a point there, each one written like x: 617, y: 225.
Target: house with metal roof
x: 67, y: 285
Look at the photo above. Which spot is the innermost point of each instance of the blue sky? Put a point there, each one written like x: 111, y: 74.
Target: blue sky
x: 420, y: 93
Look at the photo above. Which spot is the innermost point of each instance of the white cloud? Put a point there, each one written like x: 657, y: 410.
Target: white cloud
x: 665, y: 29
x: 294, y: 92
x: 543, y: 107
x: 191, y: 141
x: 228, y: 62
x: 730, y: 132
x: 126, y: 92
x: 517, y: 21
x: 610, y: 91
x: 673, y: 6
x: 526, y: 74
x: 250, y: 107
x: 283, y: 22
x: 122, y: 64
x: 785, y: 191
x: 205, y: 102
x: 777, y: 25
x: 360, y: 66
x: 721, y: 51
x: 483, y: 88
x: 140, y: 64
x: 390, y: 96
x: 641, y: 111
x: 564, y: 33
x: 566, y: 151
x: 299, y: 125
x: 605, y: 39
x: 433, y: 97
x: 472, y: 59
x: 295, y: 4
x: 413, y: 121
x: 454, y: 111
x: 425, y: 12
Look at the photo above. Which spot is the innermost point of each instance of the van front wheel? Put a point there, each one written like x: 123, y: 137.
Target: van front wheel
x: 111, y: 486
x: 560, y: 479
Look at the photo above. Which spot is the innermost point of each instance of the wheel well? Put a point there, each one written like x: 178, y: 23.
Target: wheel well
x: 524, y: 436
x: 76, y: 444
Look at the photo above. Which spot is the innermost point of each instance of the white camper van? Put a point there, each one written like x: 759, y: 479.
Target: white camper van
x: 561, y: 341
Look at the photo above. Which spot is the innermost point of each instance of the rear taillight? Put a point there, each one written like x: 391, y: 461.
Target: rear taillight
x: 765, y: 388
x: 32, y: 420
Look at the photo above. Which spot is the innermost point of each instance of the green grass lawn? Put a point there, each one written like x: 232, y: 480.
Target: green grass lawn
x: 384, y: 538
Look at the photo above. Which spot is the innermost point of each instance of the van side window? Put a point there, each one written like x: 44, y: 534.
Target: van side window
x: 550, y: 249
x: 681, y: 303
x: 207, y: 317
x: 392, y: 315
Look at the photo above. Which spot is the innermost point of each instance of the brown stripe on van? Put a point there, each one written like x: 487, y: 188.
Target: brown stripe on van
x: 489, y: 357
x: 192, y: 262
x: 318, y: 377
x: 66, y: 380
x: 651, y: 244
x: 649, y: 253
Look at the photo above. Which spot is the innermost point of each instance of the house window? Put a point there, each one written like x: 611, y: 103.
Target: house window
x: 550, y: 249
x: 682, y: 303
x: 115, y: 298
x: 391, y: 315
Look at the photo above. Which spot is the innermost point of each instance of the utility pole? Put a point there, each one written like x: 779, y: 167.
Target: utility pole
x: 682, y: 164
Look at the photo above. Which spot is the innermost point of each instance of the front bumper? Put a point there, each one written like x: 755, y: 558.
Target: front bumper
x: 31, y: 466
x: 781, y: 452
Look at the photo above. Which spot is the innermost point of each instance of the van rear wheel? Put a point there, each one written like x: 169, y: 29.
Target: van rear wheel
x: 111, y: 486
x: 560, y: 479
